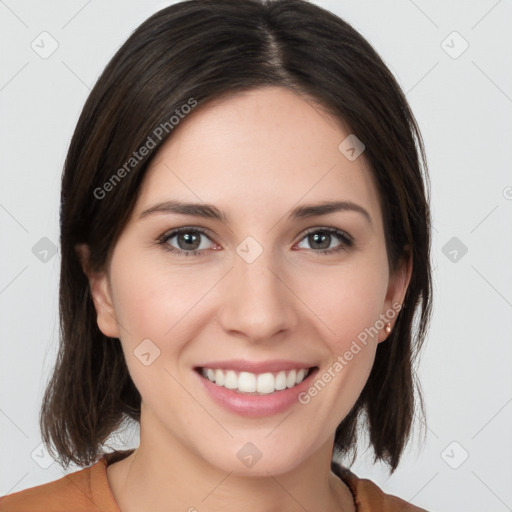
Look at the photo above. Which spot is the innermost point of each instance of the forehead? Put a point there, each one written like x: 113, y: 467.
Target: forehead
x: 260, y: 151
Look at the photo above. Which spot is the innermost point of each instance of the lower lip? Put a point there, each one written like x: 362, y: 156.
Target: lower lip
x: 255, y: 405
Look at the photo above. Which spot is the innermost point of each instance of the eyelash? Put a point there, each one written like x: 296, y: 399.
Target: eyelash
x: 346, y: 241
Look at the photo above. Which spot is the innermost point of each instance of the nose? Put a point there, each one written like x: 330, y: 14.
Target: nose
x: 258, y: 300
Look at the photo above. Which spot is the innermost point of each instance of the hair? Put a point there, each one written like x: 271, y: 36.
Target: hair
x: 191, y: 53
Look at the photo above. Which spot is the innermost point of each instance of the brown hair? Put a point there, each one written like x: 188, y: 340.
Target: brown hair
x: 201, y: 50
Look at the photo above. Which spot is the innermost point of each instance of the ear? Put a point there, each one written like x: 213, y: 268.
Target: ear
x: 101, y: 294
x: 397, y: 288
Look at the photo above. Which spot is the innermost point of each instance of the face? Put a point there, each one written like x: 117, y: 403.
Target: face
x: 251, y: 296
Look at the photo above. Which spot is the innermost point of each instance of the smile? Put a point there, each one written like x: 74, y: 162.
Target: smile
x: 256, y: 384
x: 255, y: 388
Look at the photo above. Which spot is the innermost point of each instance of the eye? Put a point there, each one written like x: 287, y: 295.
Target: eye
x: 320, y: 240
x: 188, y: 241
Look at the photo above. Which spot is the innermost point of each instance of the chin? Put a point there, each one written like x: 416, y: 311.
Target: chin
x: 256, y: 459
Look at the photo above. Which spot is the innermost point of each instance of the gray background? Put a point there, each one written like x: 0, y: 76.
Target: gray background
x: 463, y: 102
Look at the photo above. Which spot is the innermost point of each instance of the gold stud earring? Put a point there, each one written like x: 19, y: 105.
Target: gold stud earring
x: 388, y: 327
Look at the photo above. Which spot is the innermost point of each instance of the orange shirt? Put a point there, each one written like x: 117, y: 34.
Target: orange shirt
x: 88, y: 490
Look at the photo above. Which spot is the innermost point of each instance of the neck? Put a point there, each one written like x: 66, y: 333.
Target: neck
x: 163, y: 473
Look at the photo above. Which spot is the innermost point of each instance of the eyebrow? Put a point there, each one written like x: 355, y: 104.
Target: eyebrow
x: 212, y: 212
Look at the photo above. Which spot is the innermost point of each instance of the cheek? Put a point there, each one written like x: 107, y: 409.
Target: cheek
x: 153, y: 305
x: 347, y: 301
x: 151, y: 301
x: 348, y: 307
x: 352, y: 309
x: 158, y: 308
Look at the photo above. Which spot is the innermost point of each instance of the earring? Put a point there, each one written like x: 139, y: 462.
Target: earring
x: 388, y: 327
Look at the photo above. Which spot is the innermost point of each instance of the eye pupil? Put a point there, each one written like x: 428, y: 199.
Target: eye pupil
x: 320, y: 237
x: 190, y: 240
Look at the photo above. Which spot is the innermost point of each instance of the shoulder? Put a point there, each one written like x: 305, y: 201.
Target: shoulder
x: 85, y: 490
x: 369, y: 497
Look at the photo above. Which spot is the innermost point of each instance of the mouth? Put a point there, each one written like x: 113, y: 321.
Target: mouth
x: 263, y: 383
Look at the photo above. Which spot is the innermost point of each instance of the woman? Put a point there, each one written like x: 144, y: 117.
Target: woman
x: 245, y: 239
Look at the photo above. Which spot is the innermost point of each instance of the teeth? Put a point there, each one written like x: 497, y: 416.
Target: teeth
x: 291, y: 379
x: 218, y: 377
x: 263, y: 383
x: 231, y: 380
x: 280, y: 383
x: 247, y: 382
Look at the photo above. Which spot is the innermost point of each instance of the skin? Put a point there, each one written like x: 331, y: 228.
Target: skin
x: 255, y: 155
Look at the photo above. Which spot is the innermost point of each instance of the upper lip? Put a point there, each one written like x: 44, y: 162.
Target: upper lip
x: 243, y: 365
